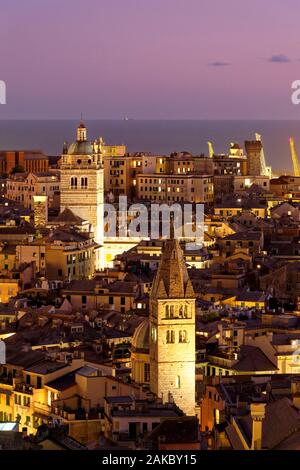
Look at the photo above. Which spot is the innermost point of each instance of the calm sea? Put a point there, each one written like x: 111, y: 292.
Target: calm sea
x: 156, y: 136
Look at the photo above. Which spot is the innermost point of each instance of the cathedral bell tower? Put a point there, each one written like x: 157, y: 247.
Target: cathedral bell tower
x: 172, y: 331
x: 81, y: 186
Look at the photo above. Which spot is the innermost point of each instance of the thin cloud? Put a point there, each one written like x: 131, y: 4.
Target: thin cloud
x: 279, y: 59
x: 219, y: 63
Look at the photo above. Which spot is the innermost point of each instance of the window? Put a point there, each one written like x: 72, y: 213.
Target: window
x: 28, y: 379
x: 7, y: 400
x: 38, y: 382
x: 182, y: 336
x: 147, y: 372
x: 172, y: 311
x: 18, y: 399
x: 170, y: 336
x: 73, y: 182
x: 145, y: 427
x: 83, y: 299
x: 84, y: 182
x: 26, y: 401
x: 177, y: 382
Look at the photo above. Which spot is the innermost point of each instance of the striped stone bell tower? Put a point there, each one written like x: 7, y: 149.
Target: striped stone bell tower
x: 82, y: 182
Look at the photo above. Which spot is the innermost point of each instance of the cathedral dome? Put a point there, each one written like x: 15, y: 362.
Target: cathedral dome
x: 140, y: 339
x: 80, y: 148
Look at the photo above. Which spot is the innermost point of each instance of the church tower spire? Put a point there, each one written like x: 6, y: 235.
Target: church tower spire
x: 172, y: 330
x: 81, y: 132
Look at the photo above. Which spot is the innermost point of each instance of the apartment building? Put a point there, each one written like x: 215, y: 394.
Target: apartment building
x: 63, y: 254
x: 22, y: 187
x: 174, y: 188
x: 26, y: 160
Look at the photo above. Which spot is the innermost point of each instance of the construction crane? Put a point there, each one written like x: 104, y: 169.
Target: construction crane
x: 210, y: 149
x: 294, y: 158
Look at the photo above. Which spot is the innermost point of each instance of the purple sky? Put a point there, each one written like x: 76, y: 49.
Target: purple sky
x: 149, y: 58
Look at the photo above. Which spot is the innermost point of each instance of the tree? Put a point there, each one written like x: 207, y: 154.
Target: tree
x: 17, y: 169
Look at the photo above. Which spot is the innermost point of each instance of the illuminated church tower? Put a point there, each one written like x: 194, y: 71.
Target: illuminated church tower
x: 172, y: 330
x: 81, y: 186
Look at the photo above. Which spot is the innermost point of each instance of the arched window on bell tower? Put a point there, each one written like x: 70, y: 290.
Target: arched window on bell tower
x: 170, y: 336
x: 172, y: 311
x: 185, y: 311
x: 178, y: 381
x: 84, y: 182
x: 182, y: 336
x: 74, y: 182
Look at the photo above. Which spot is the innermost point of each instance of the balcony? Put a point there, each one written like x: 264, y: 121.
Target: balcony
x: 24, y: 388
x: 79, y: 414
x: 41, y: 409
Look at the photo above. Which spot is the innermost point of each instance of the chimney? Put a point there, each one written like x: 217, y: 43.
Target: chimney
x: 258, y: 414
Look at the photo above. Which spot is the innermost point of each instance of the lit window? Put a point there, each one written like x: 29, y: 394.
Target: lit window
x: 182, y: 336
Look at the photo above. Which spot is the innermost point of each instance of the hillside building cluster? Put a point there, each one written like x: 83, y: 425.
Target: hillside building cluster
x: 129, y: 342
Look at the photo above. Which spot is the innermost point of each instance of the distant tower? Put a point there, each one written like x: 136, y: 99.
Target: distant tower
x: 256, y: 164
x: 172, y: 331
x: 40, y: 210
x: 81, y: 187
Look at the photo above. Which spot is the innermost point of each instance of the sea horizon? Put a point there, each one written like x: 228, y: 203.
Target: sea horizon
x: 161, y: 136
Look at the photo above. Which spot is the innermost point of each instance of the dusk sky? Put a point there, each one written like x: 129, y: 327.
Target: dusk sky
x: 206, y: 59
